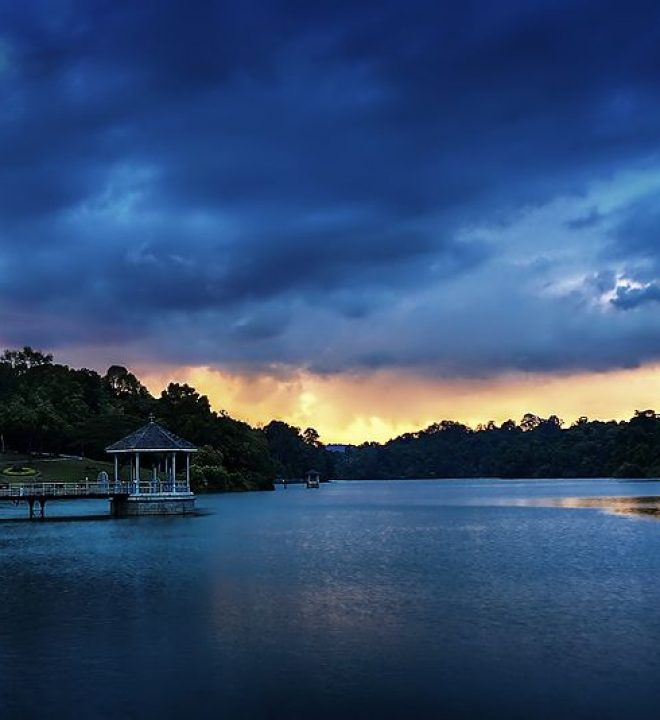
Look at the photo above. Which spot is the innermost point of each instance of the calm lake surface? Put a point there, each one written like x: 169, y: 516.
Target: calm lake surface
x: 406, y: 599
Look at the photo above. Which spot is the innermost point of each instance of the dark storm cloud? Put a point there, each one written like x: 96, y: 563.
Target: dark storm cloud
x: 637, y: 232
x: 591, y: 219
x: 629, y: 298
x: 252, y: 172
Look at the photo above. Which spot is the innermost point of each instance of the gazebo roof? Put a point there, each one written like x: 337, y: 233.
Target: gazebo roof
x: 151, y: 437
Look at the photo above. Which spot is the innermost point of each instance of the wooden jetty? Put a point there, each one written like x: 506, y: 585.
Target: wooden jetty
x: 35, y: 495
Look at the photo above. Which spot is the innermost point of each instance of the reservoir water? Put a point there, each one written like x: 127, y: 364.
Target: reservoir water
x: 402, y: 599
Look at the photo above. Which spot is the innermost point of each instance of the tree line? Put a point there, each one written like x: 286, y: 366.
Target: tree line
x: 533, y: 448
x: 46, y: 407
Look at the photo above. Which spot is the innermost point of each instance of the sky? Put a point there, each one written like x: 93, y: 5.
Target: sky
x: 361, y: 216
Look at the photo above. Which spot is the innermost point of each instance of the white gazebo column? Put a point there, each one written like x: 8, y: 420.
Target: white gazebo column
x: 116, y: 468
x: 188, y: 472
x: 137, y: 473
x: 173, y: 472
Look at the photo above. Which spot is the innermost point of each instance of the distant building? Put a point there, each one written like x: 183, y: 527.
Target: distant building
x: 338, y: 448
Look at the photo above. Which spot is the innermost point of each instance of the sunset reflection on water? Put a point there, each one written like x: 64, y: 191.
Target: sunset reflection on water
x: 648, y: 506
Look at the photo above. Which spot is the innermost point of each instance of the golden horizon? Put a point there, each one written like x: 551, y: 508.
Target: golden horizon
x: 358, y: 407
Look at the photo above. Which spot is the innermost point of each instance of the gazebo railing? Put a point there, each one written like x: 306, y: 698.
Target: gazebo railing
x: 151, y: 487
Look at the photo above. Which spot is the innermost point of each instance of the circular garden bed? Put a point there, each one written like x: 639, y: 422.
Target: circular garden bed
x: 19, y: 471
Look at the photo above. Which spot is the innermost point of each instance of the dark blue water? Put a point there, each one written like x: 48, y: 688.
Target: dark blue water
x: 358, y: 600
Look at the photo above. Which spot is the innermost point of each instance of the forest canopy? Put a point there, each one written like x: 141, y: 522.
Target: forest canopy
x: 535, y: 448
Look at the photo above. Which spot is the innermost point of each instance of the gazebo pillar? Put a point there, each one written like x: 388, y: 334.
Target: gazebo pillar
x: 137, y: 473
x: 173, y: 472
x: 188, y: 472
x: 116, y: 468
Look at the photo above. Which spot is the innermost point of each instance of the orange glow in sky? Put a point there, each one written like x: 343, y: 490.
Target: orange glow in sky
x: 354, y: 408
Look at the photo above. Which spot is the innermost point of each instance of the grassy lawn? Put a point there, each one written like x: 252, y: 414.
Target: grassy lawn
x: 61, y: 469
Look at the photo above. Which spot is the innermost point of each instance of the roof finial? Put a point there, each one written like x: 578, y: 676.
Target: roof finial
x: 151, y: 417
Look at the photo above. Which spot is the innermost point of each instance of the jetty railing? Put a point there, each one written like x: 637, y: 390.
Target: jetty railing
x: 88, y: 489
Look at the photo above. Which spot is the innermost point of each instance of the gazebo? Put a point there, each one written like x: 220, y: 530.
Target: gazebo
x: 312, y: 478
x: 157, y: 448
